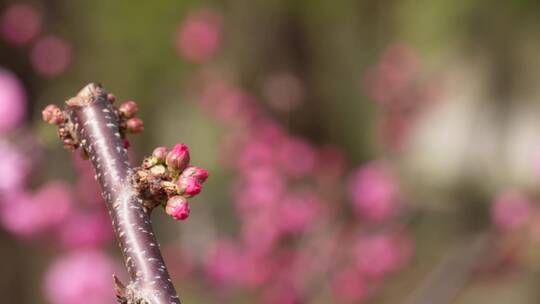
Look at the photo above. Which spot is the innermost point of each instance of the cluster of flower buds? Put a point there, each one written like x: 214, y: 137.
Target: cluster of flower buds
x: 125, y: 114
x: 127, y: 121
x: 53, y: 115
x: 167, y: 179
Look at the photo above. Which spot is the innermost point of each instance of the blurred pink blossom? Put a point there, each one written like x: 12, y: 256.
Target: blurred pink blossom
x: 20, y: 23
x: 261, y: 186
x: 535, y: 159
x: 178, y: 208
x: 296, y: 157
x: 387, y: 81
x: 232, y: 105
x: 199, y: 36
x: 330, y: 163
x: 378, y: 255
x: 256, y: 153
x: 27, y: 215
x: 348, y: 286
x: 393, y: 130
x: 227, y: 103
x: 374, y: 191
x: 281, y: 189
x: 255, y: 269
x: 12, y: 101
x: 80, y: 277
x: 510, y: 210
x: 297, y: 211
x: 86, y: 230
x: 283, y: 91
x: 222, y: 262
x: 15, y: 168
x: 280, y: 293
x: 259, y: 231
x: 51, y: 56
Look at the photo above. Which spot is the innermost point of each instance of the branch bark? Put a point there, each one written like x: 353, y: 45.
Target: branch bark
x: 95, y: 127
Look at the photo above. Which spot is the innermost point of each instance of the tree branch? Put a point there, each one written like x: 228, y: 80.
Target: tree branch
x: 94, y: 125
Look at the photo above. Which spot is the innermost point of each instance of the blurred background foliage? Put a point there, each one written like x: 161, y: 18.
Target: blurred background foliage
x: 474, y: 137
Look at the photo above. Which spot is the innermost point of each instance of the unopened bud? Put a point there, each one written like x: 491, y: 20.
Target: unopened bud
x: 158, y: 170
x: 189, y: 187
x: 178, y: 158
x: 178, y: 208
x: 199, y: 174
x: 159, y: 155
x: 125, y: 143
x: 128, y: 108
x: 69, y: 144
x: 134, y: 125
x: 53, y: 114
x: 111, y: 98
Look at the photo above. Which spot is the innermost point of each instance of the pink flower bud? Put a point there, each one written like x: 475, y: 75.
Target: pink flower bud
x: 80, y: 274
x: 189, y: 186
x: 374, y: 191
x: 12, y: 101
x: 125, y: 143
x: 510, y: 211
x: 178, y: 207
x: 199, y: 36
x: 20, y: 24
x: 135, y: 125
x: 178, y: 158
x: 53, y: 114
x: 51, y: 56
x: 128, y: 108
x: 111, y: 98
x: 159, y: 154
x: 199, y: 174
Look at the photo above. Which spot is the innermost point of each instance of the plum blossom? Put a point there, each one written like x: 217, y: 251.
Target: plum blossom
x: 296, y: 157
x: 374, y: 191
x: 189, y: 186
x: 15, y: 168
x: 510, y: 210
x: 282, y: 189
x: 178, y: 158
x: 51, y: 56
x: 387, y: 81
x: 261, y: 186
x: 91, y: 230
x: 298, y: 210
x: 259, y: 232
x: 28, y: 215
x: 222, y: 261
x: 254, y: 154
x: 178, y: 208
x: 199, y: 36
x: 12, y: 101
x: 280, y: 293
x: 20, y: 24
x: 80, y: 276
x: 379, y: 255
x: 349, y: 286
x: 283, y: 91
